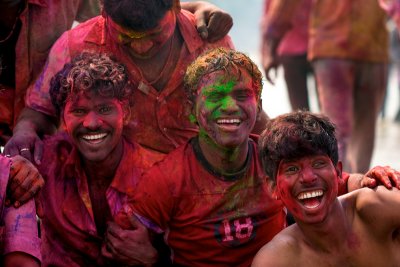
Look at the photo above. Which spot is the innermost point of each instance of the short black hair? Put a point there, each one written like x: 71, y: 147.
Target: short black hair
x: 138, y: 15
x: 295, y: 135
x: 89, y: 72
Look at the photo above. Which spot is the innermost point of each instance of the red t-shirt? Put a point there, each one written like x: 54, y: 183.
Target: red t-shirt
x: 70, y: 236
x: 209, y: 219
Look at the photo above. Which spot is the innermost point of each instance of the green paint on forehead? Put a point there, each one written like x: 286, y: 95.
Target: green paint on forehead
x: 220, y: 86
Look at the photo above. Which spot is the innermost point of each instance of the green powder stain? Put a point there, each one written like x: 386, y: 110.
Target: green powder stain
x: 218, y: 95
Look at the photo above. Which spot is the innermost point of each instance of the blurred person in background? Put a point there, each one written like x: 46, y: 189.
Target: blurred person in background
x: 287, y: 46
x: 348, y: 48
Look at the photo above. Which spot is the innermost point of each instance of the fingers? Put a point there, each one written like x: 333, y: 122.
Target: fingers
x: 385, y: 175
x: 30, y: 147
x: 39, y: 207
x: 38, y: 152
x: 394, y: 177
x: 368, y: 182
x: 201, y: 25
x: 268, y: 76
x: 218, y: 26
x: 25, y: 181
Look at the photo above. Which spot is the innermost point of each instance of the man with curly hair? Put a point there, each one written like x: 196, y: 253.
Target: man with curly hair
x: 210, y: 195
x: 156, y: 40
x: 90, y: 168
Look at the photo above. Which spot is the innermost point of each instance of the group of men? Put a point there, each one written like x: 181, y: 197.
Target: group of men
x: 145, y: 84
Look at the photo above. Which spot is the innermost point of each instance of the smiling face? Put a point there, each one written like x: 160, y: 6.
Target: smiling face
x: 95, y: 125
x: 308, y: 187
x: 226, y: 108
x: 143, y: 44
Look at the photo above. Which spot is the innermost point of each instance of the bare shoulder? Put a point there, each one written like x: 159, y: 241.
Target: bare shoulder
x: 378, y: 206
x: 281, y: 251
x: 368, y: 199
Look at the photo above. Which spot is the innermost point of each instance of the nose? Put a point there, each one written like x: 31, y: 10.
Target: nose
x: 229, y: 104
x: 92, y: 121
x: 307, y: 176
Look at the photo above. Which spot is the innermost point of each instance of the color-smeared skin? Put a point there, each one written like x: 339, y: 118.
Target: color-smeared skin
x: 147, y: 43
x: 303, y: 175
x: 93, y: 114
x: 222, y: 97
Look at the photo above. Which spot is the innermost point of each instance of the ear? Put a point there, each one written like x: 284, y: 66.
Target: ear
x: 192, y: 116
x: 259, y: 109
x: 273, y: 189
x: 275, y: 193
x: 126, y: 109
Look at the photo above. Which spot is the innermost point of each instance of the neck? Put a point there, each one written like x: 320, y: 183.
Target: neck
x: 224, y: 160
x: 102, y: 173
x: 331, y: 234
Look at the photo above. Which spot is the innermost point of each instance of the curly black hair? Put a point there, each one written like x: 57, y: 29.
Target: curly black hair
x: 86, y: 73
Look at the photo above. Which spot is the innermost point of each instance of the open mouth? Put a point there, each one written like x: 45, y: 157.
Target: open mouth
x: 229, y: 123
x: 311, y: 199
x: 94, y: 138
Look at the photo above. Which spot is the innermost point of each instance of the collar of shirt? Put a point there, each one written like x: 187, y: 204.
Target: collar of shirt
x: 185, y: 21
x: 124, y: 178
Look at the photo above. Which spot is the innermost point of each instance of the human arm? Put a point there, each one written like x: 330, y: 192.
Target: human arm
x: 20, y: 259
x: 377, y: 207
x: 26, y: 140
x: 276, y: 22
x: 20, y: 236
x: 38, y: 117
x: 386, y: 176
x: 212, y: 22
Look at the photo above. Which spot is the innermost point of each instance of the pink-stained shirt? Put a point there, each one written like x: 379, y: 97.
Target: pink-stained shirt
x: 160, y: 120
x: 295, y: 39
x: 208, y: 219
x: 351, y: 30
x: 42, y: 23
x: 69, y: 236
x: 18, y: 230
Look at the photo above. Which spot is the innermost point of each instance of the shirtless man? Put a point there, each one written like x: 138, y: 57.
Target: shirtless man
x: 300, y: 153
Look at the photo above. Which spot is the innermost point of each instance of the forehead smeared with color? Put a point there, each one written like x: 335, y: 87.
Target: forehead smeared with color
x: 231, y: 62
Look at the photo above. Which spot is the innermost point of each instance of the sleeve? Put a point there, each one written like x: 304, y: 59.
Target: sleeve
x: 152, y: 201
x: 37, y: 96
x: 88, y: 9
x: 20, y: 232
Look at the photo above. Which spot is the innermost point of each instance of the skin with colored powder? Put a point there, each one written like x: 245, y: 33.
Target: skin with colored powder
x: 299, y: 151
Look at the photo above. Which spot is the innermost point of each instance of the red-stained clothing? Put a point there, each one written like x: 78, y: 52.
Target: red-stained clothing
x: 42, y: 23
x: 69, y: 230
x: 354, y: 30
x: 18, y: 227
x: 208, y: 219
x: 160, y: 120
x: 295, y: 39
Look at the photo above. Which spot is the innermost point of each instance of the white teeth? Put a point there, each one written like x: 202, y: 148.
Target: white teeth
x: 94, y: 136
x: 226, y: 121
x: 310, y: 194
